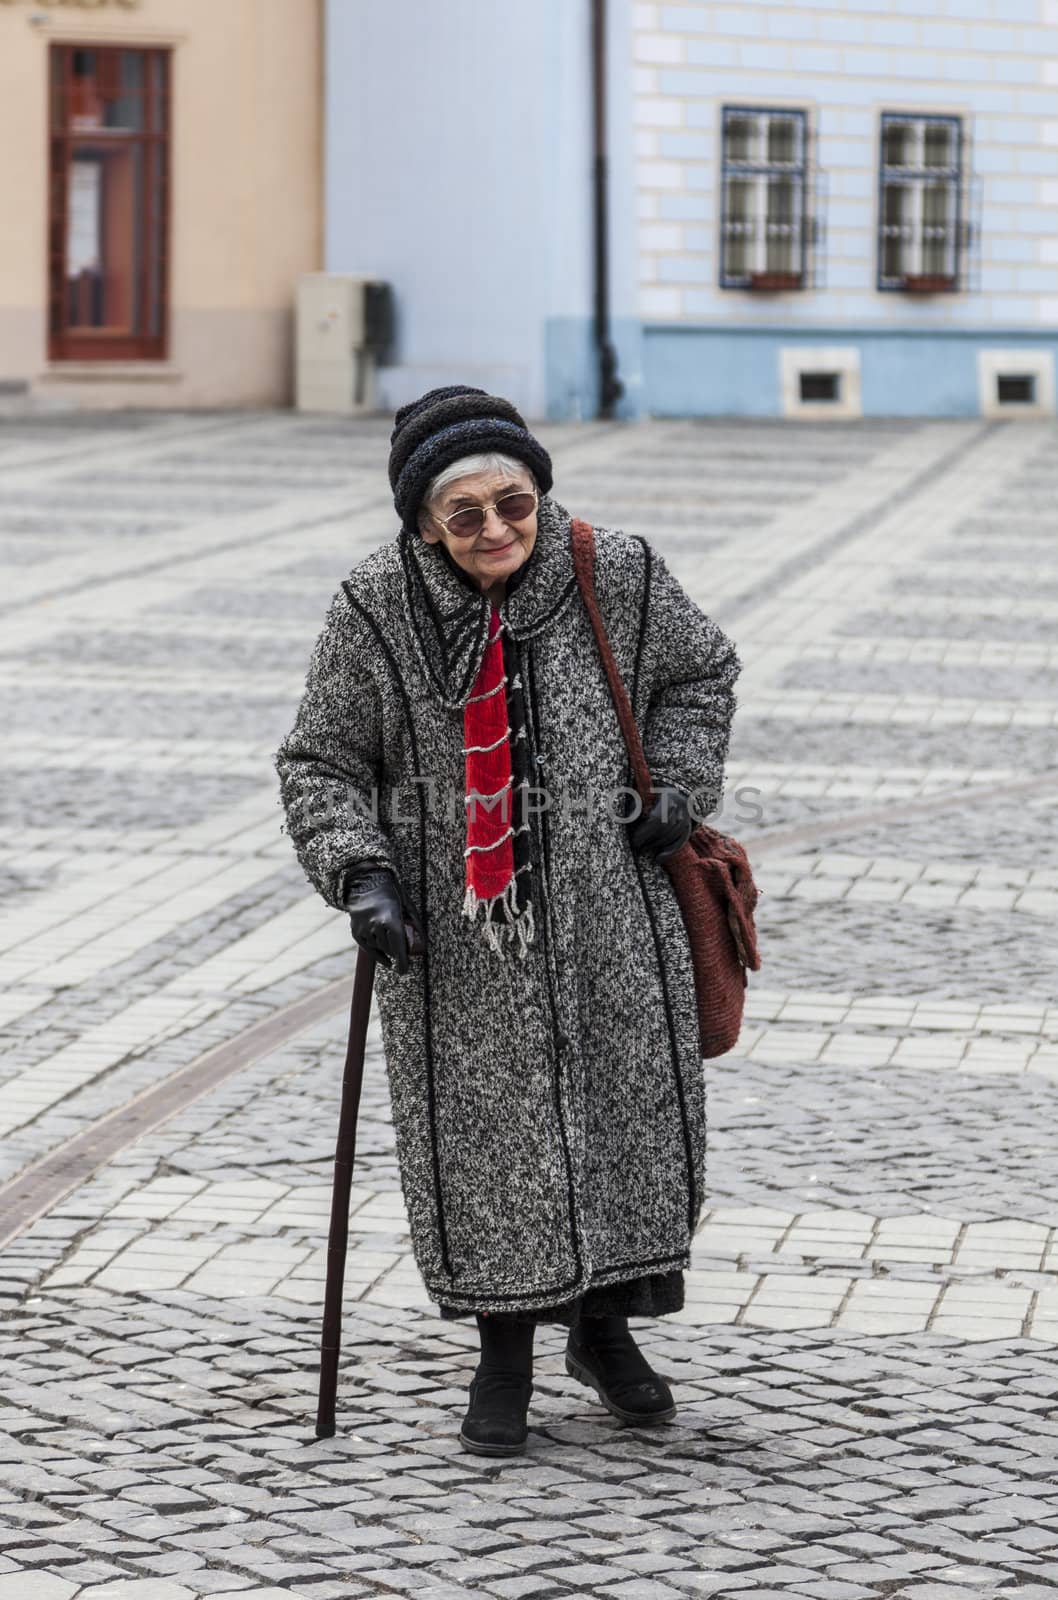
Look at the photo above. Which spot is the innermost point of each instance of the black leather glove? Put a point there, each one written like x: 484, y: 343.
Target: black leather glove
x: 664, y: 828
x: 379, y: 917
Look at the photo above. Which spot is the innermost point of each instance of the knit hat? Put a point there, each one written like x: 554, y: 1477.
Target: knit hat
x: 447, y: 424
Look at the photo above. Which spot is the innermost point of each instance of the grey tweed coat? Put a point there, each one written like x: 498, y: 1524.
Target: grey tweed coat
x: 549, y: 1110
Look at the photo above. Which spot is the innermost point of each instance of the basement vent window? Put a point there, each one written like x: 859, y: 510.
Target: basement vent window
x: 823, y: 381
x: 1016, y: 388
x: 821, y: 386
x: 1015, y: 383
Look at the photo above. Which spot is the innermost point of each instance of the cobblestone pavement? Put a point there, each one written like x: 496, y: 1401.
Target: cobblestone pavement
x: 865, y: 1368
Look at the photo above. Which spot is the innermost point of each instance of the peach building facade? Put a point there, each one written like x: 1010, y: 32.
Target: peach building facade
x: 160, y: 167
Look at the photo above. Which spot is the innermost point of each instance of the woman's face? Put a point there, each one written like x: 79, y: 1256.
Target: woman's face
x: 489, y: 556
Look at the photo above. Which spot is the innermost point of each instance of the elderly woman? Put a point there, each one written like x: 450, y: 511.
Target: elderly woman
x: 456, y: 781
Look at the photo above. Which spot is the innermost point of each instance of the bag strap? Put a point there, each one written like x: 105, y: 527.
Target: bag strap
x: 582, y: 541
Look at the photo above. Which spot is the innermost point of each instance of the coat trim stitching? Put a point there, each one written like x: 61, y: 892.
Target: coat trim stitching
x: 416, y: 582
x: 644, y: 606
x: 529, y: 676
x: 470, y: 1295
x: 670, y: 1021
x: 456, y: 637
x: 674, y: 1057
x: 451, y: 1296
x: 431, y: 1088
x: 649, y: 1261
x: 542, y: 622
x: 410, y: 591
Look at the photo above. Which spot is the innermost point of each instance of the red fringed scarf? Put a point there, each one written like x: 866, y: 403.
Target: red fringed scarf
x: 490, y: 879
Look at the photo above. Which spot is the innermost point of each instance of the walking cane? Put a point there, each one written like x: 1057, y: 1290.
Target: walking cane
x: 345, y: 1151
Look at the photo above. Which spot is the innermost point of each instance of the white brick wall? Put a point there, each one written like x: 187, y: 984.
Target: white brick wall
x: 991, y: 61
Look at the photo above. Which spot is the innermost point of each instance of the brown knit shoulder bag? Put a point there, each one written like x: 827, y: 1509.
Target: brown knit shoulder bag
x: 710, y: 874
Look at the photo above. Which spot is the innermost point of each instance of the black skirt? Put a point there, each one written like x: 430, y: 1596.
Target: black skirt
x: 652, y: 1295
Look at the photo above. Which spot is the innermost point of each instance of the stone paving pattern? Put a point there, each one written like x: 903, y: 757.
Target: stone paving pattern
x: 866, y: 1366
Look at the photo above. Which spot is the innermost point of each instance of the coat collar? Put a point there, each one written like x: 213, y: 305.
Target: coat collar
x: 449, y: 615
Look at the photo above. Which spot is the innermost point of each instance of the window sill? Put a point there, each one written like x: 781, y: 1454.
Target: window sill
x: 774, y: 282
x: 929, y: 284
x: 110, y: 372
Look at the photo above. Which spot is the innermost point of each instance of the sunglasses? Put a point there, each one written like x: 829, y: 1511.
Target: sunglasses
x: 471, y: 519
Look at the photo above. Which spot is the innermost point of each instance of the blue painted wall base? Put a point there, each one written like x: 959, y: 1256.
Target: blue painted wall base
x: 704, y: 371
x: 699, y: 371
x: 571, y: 367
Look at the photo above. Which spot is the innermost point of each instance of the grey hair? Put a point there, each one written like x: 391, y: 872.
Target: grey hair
x: 493, y: 461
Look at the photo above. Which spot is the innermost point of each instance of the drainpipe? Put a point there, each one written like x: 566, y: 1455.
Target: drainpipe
x: 610, y: 386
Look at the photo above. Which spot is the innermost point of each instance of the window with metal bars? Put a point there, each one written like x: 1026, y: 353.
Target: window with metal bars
x: 108, y: 203
x: 924, y: 233
x: 767, y: 227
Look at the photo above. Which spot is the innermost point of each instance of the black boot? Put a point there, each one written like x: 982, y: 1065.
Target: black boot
x: 495, y: 1423
x: 601, y: 1352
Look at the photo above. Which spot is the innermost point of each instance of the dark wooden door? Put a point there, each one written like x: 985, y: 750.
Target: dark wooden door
x: 108, y: 203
